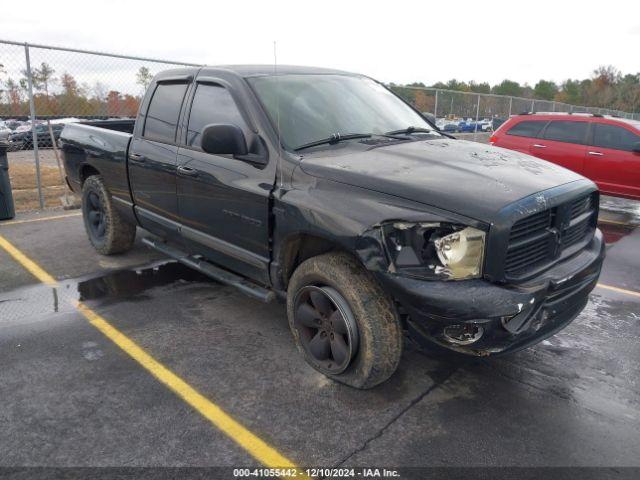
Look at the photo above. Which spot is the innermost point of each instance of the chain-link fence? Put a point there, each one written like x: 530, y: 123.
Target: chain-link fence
x: 466, y: 112
x: 44, y: 87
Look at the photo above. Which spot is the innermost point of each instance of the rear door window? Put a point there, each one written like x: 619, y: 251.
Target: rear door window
x: 211, y: 104
x: 612, y: 136
x: 163, y: 112
x: 528, y: 128
x: 566, y: 131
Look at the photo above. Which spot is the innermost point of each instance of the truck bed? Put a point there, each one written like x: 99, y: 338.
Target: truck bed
x: 98, y: 146
x: 124, y: 125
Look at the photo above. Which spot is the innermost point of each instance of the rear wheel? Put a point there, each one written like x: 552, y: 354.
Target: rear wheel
x: 108, y: 231
x: 344, y: 324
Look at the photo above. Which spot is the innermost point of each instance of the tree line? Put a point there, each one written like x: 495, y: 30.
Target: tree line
x: 606, y: 88
x: 62, y: 95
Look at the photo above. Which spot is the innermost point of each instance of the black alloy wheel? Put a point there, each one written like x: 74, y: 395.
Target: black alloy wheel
x: 326, y: 327
x: 96, y: 216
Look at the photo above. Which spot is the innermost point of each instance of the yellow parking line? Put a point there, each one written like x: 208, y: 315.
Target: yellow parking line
x: 255, y: 446
x: 619, y: 290
x: 615, y: 222
x: 251, y: 443
x: 42, y: 219
x: 27, y: 263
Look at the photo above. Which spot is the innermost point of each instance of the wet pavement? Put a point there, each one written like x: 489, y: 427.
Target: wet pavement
x: 73, y: 398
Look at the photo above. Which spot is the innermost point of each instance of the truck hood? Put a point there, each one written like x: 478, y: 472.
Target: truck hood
x: 464, y: 177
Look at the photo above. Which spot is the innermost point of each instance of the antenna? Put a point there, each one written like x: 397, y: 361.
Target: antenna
x: 275, y: 72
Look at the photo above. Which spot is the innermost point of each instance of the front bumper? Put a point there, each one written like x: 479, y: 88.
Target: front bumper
x: 510, y: 317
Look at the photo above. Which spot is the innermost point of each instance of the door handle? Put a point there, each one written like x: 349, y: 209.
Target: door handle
x: 136, y: 157
x: 597, y: 154
x: 538, y: 145
x: 187, y: 171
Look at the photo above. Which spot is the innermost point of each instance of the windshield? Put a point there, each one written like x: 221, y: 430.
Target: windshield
x: 309, y: 108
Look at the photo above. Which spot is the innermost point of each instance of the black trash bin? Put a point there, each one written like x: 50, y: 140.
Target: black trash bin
x: 7, y: 210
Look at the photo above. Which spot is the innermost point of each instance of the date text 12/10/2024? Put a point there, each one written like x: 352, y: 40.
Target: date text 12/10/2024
x: 315, y: 473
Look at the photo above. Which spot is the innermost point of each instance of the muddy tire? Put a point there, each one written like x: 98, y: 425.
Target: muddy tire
x: 336, y: 283
x: 108, y: 231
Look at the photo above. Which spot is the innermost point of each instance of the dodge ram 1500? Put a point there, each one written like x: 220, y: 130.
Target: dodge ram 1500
x: 326, y: 190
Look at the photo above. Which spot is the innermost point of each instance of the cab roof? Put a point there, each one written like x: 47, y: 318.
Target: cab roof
x: 246, y: 71
x: 267, y: 70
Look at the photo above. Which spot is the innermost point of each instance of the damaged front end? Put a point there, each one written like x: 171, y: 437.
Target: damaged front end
x: 434, y: 250
x: 434, y: 272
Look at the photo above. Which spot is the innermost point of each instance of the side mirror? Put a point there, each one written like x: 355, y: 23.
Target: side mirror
x: 223, y: 139
x: 636, y: 147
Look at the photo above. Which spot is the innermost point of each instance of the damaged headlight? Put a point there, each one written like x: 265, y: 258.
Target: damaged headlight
x: 442, y: 251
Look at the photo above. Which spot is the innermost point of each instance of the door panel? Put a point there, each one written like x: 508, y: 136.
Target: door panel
x: 152, y: 173
x: 520, y: 136
x: 568, y: 155
x: 611, y: 162
x: 615, y: 171
x: 152, y: 161
x: 224, y: 206
x: 223, y: 202
x: 563, y: 143
x: 517, y: 143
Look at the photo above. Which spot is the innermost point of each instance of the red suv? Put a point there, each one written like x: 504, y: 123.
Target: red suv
x: 602, y: 148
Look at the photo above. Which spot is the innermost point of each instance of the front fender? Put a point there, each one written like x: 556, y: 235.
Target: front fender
x: 347, y: 216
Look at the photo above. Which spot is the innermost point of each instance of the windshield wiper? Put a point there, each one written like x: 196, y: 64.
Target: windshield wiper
x: 411, y: 129
x: 335, y: 138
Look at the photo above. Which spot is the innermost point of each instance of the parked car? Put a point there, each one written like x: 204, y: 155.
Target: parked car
x: 23, y: 140
x: 13, y: 124
x: 485, y: 125
x: 603, y: 148
x: 358, y: 214
x: 467, y: 126
x: 4, y: 133
x: 449, y: 126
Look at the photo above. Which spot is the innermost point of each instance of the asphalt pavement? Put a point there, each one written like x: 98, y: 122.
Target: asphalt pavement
x: 73, y: 397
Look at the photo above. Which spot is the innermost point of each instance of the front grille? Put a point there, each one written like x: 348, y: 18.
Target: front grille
x: 529, y: 226
x: 581, y: 205
x: 529, y: 242
x: 575, y: 234
x: 540, y: 239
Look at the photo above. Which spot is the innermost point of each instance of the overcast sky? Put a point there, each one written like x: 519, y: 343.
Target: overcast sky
x: 391, y: 41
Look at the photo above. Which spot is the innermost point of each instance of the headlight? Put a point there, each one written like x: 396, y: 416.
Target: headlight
x: 440, y: 251
x: 462, y: 252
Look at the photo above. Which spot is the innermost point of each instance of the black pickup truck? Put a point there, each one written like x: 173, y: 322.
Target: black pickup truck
x: 324, y: 188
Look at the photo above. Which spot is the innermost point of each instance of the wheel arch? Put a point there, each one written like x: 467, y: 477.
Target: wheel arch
x: 298, y: 247
x: 87, y: 171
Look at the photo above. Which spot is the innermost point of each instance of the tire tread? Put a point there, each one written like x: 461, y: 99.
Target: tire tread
x: 120, y: 234
x: 379, y: 327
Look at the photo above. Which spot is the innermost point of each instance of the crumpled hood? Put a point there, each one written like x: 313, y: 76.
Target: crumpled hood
x: 464, y: 177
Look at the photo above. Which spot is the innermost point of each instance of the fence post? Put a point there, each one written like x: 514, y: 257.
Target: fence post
x: 34, y: 133
x: 510, y: 105
x: 533, y: 106
x: 435, y: 108
x: 475, y: 129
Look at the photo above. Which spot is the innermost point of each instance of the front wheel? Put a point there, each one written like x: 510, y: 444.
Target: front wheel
x: 342, y: 321
x: 107, y: 230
